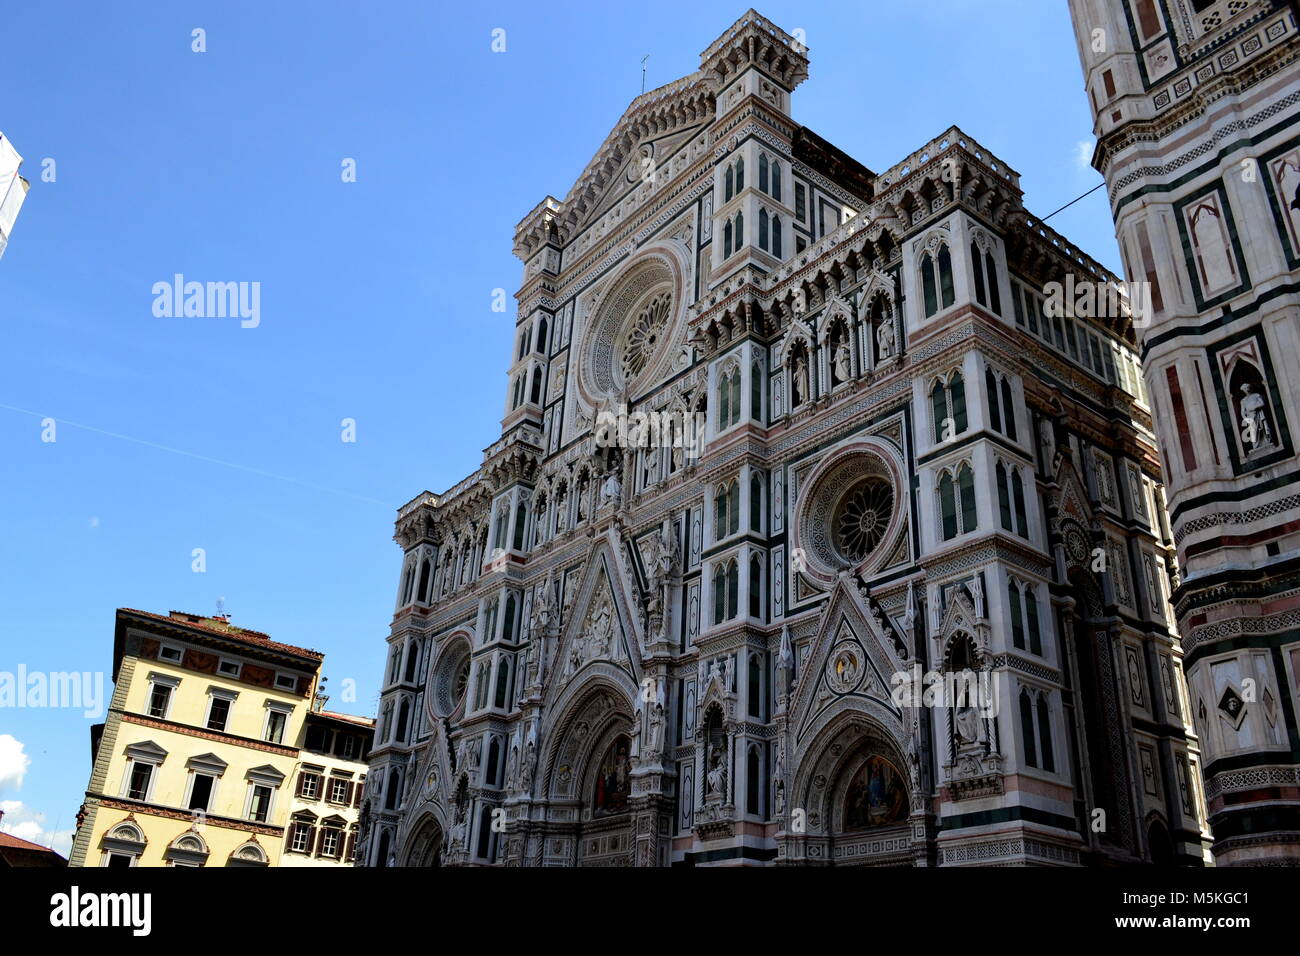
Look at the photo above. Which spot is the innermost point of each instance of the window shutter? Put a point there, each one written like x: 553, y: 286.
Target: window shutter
x: 352, y: 839
x: 318, y: 841
x: 302, y: 779
x: 356, y: 797
x: 347, y: 797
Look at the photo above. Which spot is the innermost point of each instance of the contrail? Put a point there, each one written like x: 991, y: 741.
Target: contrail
x: 195, y: 455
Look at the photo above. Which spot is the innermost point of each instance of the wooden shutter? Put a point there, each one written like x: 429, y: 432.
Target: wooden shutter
x: 351, y: 845
x: 302, y: 779
x: 347, y: 797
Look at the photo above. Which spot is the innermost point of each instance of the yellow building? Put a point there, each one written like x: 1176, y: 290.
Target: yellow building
x: 196, y: 762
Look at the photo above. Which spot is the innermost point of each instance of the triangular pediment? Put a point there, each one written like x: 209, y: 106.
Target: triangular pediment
x: 601, y: 627
x: 851, y: 656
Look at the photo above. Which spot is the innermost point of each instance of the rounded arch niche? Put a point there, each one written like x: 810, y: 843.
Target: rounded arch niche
x: 849, y: 511
x: 630, y: 330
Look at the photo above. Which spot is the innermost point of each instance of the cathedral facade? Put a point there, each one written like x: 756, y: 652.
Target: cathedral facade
x: 816, y: 533
x: 1197, y: 112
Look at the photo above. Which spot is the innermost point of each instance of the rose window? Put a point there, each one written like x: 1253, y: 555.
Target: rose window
x: 644, y: 334
x: 861, y: 518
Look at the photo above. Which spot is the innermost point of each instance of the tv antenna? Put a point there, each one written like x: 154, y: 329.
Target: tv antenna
x: 643, y: 59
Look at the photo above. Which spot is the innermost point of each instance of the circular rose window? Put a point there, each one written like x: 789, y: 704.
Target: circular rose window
x: 847, y: 512
x: 861, y: 518
x: 450, y: 679
x: 627, y: 336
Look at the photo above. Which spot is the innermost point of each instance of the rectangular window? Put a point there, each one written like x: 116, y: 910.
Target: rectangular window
x: 201, y: 792
x: 1148, y: 20
x: 276, y: 720
x: 141, y: 775
x: 218, y: 713
x: 1108, y: 81
x: 286, y: 682
x: 160, y: 701
x: 259, y: 810
x: 299, y: 842
x: 329, y: 844
x: 338, y: 790
x: 310, y: 786
x: 347, y: 746
x: 173, y: 654
x: 229, y: 668
x: 800, y: 202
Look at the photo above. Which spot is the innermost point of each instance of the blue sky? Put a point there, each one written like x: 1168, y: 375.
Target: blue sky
x: 375, y: 295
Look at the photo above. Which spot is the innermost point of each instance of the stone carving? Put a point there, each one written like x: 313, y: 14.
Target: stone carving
x: 885, y: 340
x: 1257, y: 433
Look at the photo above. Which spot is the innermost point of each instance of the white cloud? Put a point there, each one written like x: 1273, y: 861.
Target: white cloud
x: 27, y: 824
x: 1083, y: 153
x: 13, y: 762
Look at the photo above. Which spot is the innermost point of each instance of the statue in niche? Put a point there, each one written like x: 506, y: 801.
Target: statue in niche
x: 800, y: 379
x: 717, y: 775
x: 1257, y: 433
x: 968, y: 725
x: 611, y: 490
x: 885, y: 340
x: 843, y: 362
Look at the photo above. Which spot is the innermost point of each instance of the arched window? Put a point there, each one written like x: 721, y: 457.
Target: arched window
x: 726, y: 240
x: 740, y: 230
x: 948, y: 505
x: 776, y: 182
x: 535, y: 393
x: 936, y: 280
x: 1045, y: 735
x: 762, y: 229
x: 503, y: 520
x: 733, y: 589
x: 521, y: 523
x: 733, y: 507
x: 966, y: 491
x: 733, y: 386
x: 991, y: 390
x: 508, y: 624
x: 502, y: 688
x: 541, y: 336
x: 948, y: 404
x: 426, y: 572
x: 991, y: 269
x: 756, y: 587
x: 756, y: 502
x: 762, y: 174
x: 523, y: 343
x: 1004, y: 497
x: 776, y: 237
x: 740, y: 174
x: 751, y: 781
x: 412, y: 655
x: 1031, y: 607
x: 494, y: 761
x: 725, y: 584
x: 1018, y: 501
x: 728, y: 190
x: 1008, y: 410
x: 755, y: 686
x: 724, y: 401
x: 1017, y: 622
x: 720, y: 512
x: 408, y: 580
x: 1027, y: 728
x: 928, y: 286
x: 403, y: 719
x: 756, y: 393
x: 977, y: 272
x: 947, y: 296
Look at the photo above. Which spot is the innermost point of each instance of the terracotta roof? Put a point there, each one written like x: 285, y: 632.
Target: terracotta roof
x: 223, y: 629
x: 16, y: 843
x: 350, y: 718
